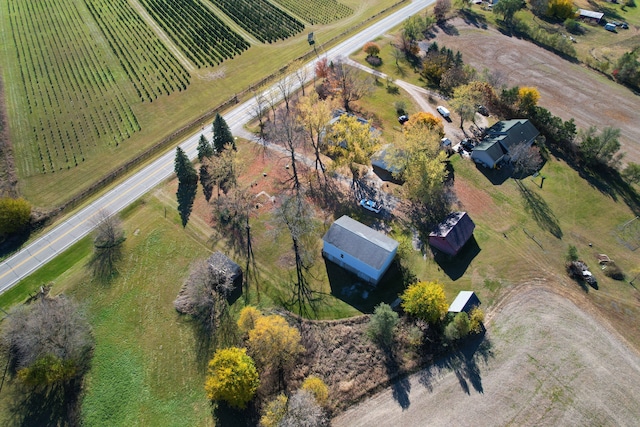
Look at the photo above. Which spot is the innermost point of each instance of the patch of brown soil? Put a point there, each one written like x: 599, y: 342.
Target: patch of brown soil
x: 349, y: 363
x: 473, y: 200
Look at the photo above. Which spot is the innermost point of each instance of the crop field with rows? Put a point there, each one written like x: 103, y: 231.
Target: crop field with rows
x: 73, y: 104
x: 202, y: 36
x: 151, y: 68
x: 262, y: 19
x: 317, y: 11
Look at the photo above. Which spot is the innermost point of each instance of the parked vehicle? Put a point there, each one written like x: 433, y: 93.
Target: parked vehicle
x: 403, y: 119
x: 446, y: 142
x: 610, y: 27
x: 443, y: 111
x: 483, y: 110
x: 371, y: 205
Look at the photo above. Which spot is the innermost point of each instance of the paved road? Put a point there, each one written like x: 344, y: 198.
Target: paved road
x: 66, y: 233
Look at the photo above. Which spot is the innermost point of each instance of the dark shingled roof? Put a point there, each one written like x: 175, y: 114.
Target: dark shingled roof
x: 361, y: 242
x: 512, y: 132
x: 492, y: 147
x: 456, y: 228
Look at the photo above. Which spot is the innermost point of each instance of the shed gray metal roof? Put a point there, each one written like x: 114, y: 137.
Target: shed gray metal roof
x: 590, y: 14
x: 362, y: 242
x: 461, y: 300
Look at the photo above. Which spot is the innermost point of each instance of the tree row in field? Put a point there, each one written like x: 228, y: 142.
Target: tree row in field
x: 151, y: 68
x: 317, y: 11
x: 73, y: 103
x: 262, y: 19
x: 203, y: 37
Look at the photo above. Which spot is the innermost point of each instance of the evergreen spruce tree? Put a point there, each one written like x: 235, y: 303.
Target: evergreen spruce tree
x: 187, y: 185
x: 205, y: 149
x: 221, y: 134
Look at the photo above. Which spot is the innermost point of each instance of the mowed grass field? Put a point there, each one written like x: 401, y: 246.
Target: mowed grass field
x: 89, y: 85
x: 146, y: 368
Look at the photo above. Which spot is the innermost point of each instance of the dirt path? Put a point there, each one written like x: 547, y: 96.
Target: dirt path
x: 568, y: 90
x: 544, y: 362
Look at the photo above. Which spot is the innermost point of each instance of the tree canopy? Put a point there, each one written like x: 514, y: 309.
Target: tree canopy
x: 15, y: 215
x: 232, y: 377
x: 382, y: 325
x: 48, y: 341
x: 205, y: 149
x: 273, y: 342
x: 187, y: 184
x: 108, y: 239
x: 602, y: 148
x: 222, y: 135
x: 426, y: 301
x: 352, y: 143
x: 508, y: 8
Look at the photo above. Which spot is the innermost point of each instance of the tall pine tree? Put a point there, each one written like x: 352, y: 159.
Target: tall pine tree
x: 187, y: 185
x: 205, y: 149
x: 221, y: 135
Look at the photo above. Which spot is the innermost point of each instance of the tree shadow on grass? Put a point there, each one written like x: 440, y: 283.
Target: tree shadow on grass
x: 464, y: 361
x: 539, y: 210
x: 471, y: 17
x: 56, y: 405
x: 226, y: 416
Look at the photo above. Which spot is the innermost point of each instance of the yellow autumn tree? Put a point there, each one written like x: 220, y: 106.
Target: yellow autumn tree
x: 272, y: 342
x: 561, y: 9
x: 274, y: 411
x: 352, y: 143
x: 318, y: 388
x: 425, y: 300
x: 232, y: 377
x: 476, y: 318
x: 247, y: 319
x: 528, y: 97
x: 423, y: 121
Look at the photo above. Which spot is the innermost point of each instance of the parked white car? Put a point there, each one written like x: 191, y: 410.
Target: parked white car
x: 371, y: 205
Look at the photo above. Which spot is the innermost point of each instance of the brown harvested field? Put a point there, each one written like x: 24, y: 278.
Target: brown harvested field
x: 567, y: 89
x: 545, y: 361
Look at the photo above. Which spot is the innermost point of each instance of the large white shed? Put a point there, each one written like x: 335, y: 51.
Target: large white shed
x: 359, y: 249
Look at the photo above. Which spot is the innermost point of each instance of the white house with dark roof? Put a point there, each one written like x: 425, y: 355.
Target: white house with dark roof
x: 501, y: 138
x: 359, y: 249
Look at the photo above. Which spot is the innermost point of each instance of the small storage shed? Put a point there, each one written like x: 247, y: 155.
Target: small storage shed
x: 465, y: 301
x: 359, y: 249
x: 453, y: 233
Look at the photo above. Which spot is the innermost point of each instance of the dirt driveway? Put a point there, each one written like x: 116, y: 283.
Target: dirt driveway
x: 544, y: 361
x: 567, y: 89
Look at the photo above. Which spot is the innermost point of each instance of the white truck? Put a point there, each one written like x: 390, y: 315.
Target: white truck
x: 443, y: 111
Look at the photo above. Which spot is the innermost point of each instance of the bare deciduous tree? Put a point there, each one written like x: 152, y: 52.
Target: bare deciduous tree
x: 348, y: 83
x: 108, y: 238
x: 287, y: 132
x: 525, y: 159
x: 296, y: 215
x: 303, y: 410
x: 48, y: 342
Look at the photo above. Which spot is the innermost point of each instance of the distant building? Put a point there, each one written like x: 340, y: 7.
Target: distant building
x: 464, y: 302
x: 590, y: 16
x: 359, y: 249
x: 453, y: 233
